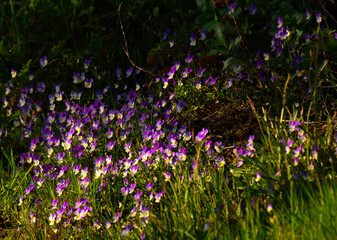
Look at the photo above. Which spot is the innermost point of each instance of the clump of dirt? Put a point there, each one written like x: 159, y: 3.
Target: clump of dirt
x: 229, y: 123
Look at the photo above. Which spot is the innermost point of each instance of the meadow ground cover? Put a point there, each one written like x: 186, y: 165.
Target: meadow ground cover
x: 234, y: 137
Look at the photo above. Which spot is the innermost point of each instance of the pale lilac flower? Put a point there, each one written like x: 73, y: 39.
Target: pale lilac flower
x: 14, y: 73
x: 193, y: 39
x: 307, y: 13
x: 203, y: 35
x: 87, y: 63
x: 269, y: 207
x: 171, y: 43
x: 318, y: 17
x: 126, y: 231
x: 231, y: 8
x: 43, y: 61
x: 280, y: 22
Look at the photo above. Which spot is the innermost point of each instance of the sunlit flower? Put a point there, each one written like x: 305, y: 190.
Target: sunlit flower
x: 14, y: 73
x: 176, y: 65
x: 201, y: 135
x: 258, y: 177
x: 167, y: 176
x: 295, y: 161
x: 269, y: 207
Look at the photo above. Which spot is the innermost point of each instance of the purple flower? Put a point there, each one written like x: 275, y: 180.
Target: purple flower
x: 109, y: 133
x: 110, y: 145
x: 280, y: 22
x: 176, y: 65
x: 203, y: 35
x: 308, y: 14
x: 126, y: 231
x: 318, y: 17
x: 289, y: 144
x: 180, y: 106
x: 124, y: 191
x: 315, y: 153
x: 212, y: 81
x: 138, y: 195
x: 269, y: 207
x: 298, y: 59
x: 54, y: 203
x: 88, y: 82
x: 167, y: 176
x: 85, y: 182
x: 81, y: 202
x: 258, y: 64
x: 186, y: 72
x: 43, y: 61
x: 297, y: 151
x: 158, y: 196
x: 171, y: 43
x: 60, y: 157
x: 294, y: 126
x: 13, y: 73
x: 252, y: 9
x: 193, y: 39
x: 231, y: 8
x: 129, y: 72
x: 33, y: 144
x: 116, y: 217
x: 132, y: 187
x: 189, y: 58
x: 200, y: 72
x: 295, y: 161
x: 171, y: 72
x: 309, y: 37
x: 258, y: 177
x: 166, y: 33
x: 87, y: 63
x: 201, y: 135
x: 28, y: 190
x: 165, y: 81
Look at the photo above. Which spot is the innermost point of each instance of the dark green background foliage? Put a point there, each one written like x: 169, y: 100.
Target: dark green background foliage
x: 69, y: 29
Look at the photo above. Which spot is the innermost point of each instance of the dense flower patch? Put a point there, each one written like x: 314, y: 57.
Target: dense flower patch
x: 113, y: 161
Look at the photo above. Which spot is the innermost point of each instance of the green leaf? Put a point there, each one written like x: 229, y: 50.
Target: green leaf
x: 234, y: 45
x: 232, y: 60
x: 203, y: 19
x: 297, y: 17
x: 25, y: 68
